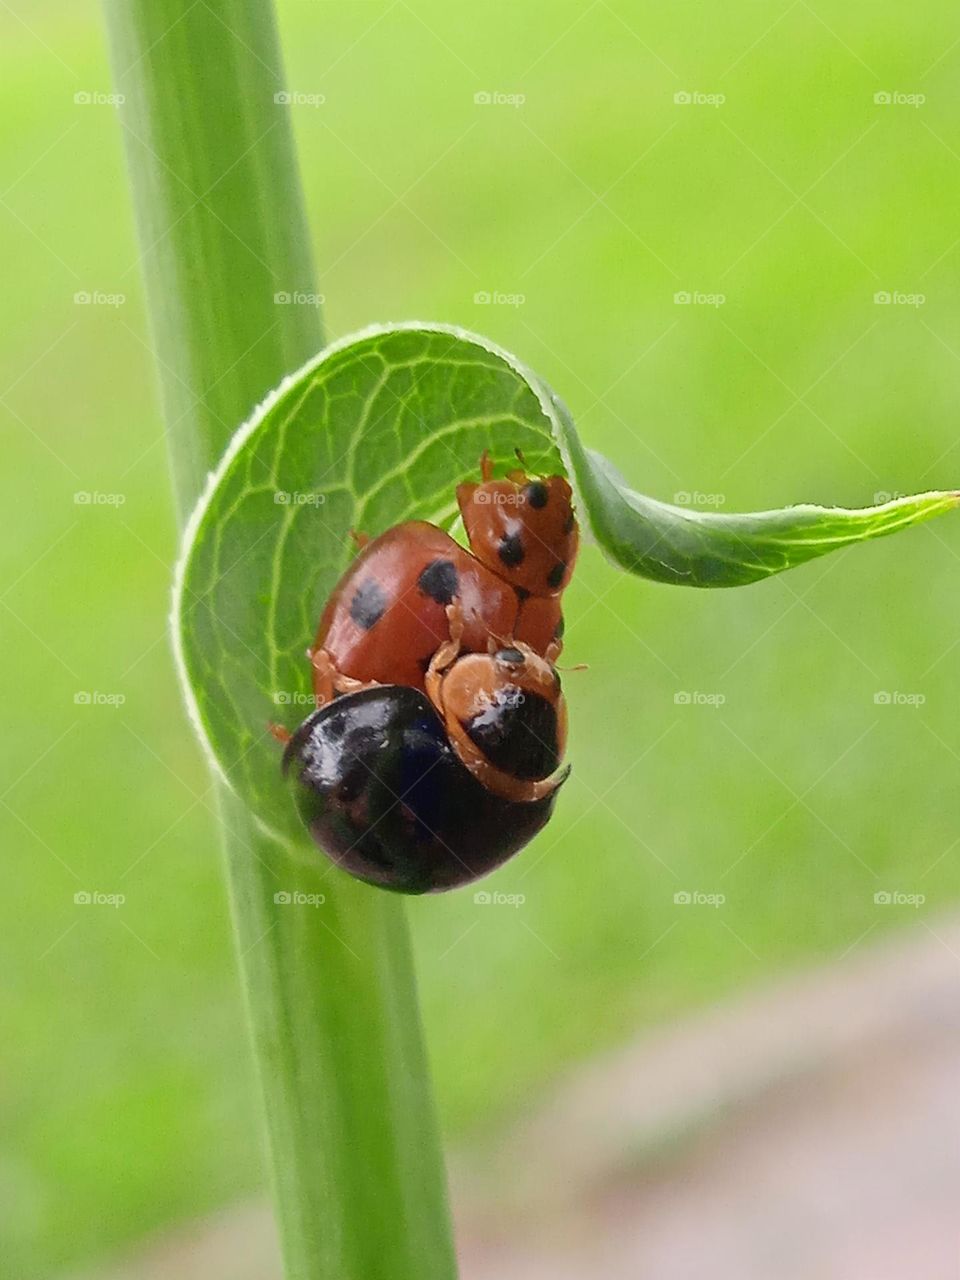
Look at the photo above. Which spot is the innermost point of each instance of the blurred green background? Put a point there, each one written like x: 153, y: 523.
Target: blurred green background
x: 126, y: 1092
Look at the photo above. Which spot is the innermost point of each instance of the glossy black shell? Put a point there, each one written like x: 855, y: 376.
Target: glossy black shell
x: 385, y: 796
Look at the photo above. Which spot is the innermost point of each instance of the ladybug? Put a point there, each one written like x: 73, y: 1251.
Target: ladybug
x: 393, y: 608
x: 523, y: 530
x: 505, y: 717
x: 382, y: 790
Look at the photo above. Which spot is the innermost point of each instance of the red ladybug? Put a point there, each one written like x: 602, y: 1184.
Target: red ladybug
x: 395, y: 606
x: 522, y: 529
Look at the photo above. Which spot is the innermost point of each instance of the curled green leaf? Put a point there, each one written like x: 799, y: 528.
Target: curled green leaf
x: 381, y: 427
x: 692, y: 548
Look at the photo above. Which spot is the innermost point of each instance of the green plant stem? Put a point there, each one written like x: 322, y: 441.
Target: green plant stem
x: 355, y: 1156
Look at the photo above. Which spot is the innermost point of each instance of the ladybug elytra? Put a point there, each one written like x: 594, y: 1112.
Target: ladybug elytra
x: 523, y: 530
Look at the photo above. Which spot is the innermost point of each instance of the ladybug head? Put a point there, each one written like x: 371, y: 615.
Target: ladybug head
x: 523, y: 529
x: 506, y: 719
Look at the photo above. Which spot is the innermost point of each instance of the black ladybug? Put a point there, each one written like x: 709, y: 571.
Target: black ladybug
x: 386, y: 797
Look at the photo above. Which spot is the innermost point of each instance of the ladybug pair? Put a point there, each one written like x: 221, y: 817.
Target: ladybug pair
x: 434, y: 751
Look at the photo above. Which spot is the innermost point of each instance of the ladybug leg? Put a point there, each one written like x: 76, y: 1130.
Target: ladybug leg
x: 324, y: 673
x: 432, y: 682
x: 347, y: 684
x: 445, y: 654
x: 281, y: 734
x: 486, y: 466
x: 360, y: 540
x: 450, y: 649
x: 553, y: 651
x: 328, y: 682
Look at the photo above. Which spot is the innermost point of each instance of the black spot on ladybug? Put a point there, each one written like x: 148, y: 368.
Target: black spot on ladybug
x: 511, y: 550
x: 537, y: 494
x: 555, y: 576
x: 570, y: 523
x: 439, y: 581
x: 517, y: 732
x: 522, y: 593
x: 368, y: 604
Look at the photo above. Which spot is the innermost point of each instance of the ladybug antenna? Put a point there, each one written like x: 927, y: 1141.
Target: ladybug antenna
x: 581, y: 666
x: 495, y: 642
x: 543, y: 475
